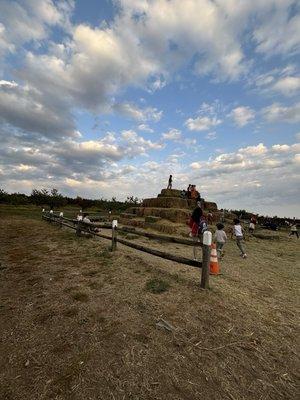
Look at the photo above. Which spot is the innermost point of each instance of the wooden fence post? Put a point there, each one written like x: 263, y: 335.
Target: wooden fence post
x: 207, y: 240
x: 114, y: 235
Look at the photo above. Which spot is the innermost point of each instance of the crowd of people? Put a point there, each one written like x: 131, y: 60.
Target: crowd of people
x: 198, y: 225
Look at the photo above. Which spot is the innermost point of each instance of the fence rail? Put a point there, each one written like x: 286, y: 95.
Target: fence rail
x: 81, y: 226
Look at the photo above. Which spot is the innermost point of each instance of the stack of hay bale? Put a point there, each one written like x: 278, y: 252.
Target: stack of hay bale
x: 168, y: 206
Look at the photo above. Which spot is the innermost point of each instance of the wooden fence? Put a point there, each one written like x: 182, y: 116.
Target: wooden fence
x: 80, y: 226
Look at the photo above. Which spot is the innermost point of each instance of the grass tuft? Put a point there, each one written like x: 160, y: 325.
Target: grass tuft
x: 157, y: 286
x: 106, y: 254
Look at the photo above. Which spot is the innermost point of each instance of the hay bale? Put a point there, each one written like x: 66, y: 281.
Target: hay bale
x: 152, y: 219
x: 132, y: 210
x: 172, y: 214
x: 137, y: 211
x: 128, y: 215
x: 166, y: 202
x: 265, y: 236
x: 210, y: 206
x: 169, y: 193
x: 132, y: 222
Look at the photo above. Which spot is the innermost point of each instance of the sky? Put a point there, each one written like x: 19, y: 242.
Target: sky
x: 107, y: 98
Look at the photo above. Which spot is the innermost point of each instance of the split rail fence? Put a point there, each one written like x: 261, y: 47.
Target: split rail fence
x: 91, y: 228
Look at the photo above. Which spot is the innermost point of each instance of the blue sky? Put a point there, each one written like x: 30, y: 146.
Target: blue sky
x: 107, y: 98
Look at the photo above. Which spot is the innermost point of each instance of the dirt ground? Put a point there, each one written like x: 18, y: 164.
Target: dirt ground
x: 80, y: 322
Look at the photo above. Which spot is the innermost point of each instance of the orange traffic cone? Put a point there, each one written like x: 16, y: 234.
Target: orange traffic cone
x: 214, y: 265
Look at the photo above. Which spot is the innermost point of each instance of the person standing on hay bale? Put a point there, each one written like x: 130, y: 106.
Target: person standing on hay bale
x: 238, y: 232
x: 189, y: 191
x: 170, y: 182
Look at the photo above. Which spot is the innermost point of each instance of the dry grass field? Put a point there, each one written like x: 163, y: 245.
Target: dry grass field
x: 79, y: 322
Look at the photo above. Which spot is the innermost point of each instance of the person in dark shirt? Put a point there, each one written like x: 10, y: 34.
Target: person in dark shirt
x: 170, y: 182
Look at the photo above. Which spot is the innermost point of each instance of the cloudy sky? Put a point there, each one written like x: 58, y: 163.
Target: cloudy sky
x: 103, y: 98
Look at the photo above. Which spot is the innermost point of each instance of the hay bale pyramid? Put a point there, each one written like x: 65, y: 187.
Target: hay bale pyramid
x: 168, y: 212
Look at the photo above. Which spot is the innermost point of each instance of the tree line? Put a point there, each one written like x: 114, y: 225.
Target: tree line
x: 53, y: 199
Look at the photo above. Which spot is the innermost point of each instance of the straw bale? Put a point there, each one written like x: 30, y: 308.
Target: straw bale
x: 152, y: 219
x: 170, y: 193
x: 166, y: 202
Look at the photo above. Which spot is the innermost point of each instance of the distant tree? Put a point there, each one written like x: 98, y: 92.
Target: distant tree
x: 57, y: 199
x: 4, y: 196
x: 40, y: 197
x: 132, y: 200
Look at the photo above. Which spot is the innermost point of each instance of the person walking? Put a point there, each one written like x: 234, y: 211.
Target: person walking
x: 220, y: 238
x: 170, y: 182
x: 252, y: 224
x: 198, y: 225
x: 238, y: 232
x: 294, y: 231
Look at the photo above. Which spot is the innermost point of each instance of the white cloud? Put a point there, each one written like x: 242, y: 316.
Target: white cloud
x: 145, y: 128
x: 196, y: 165
x: 277, y: 112
x: 248, y: 178
x: 25, y: 21
x: 172, y: 134
x: 202, y: 123
x: 254, y: 150
x: 143, y: 46
x: 151, y: 165
x: 284, y: 81
x: 208, y: 117
x: 8, y: 84
x: 280, y: 148
x: 139, y: 114
x: 248, y: 158
x: 28, y: 110
x: 242, y: 115
x: 280, y: 32
x: 136, y: 144
x: 211, y: 136
x: 288, y: 85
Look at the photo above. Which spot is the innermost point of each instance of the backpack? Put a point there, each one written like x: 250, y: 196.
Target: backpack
x: 202, y: 226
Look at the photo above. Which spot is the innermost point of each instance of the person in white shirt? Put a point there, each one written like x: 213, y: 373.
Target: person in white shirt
x: 238, y: 232
x: 220, y: 239
x: 86, y: 218
x: 91, y: 227
x: 294, y: 230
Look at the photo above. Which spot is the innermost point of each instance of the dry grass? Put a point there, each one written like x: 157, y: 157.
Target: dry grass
x: 157, y: 285
x: 237, y: 341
